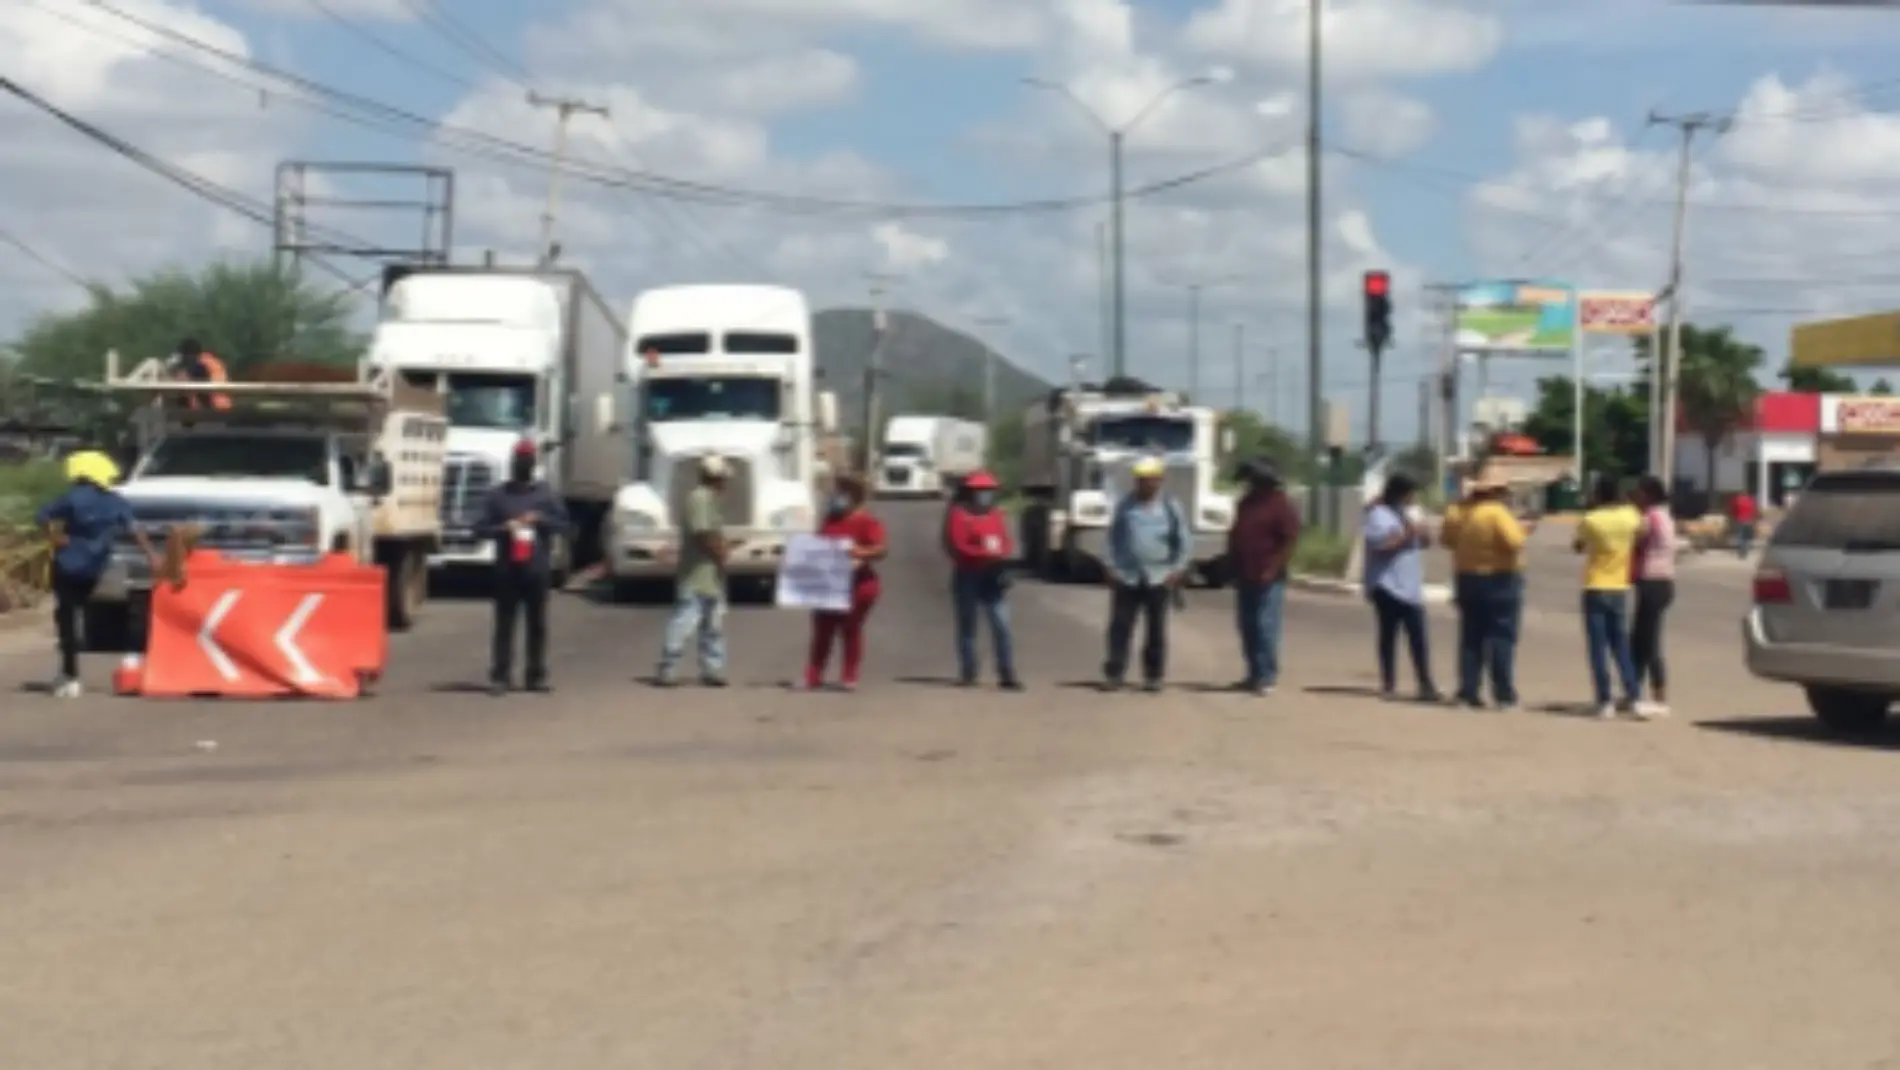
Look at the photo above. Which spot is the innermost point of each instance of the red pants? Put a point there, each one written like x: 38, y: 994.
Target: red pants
x: 826, y: 627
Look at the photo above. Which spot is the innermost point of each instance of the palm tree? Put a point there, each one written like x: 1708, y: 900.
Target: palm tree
x: 1716, y: 381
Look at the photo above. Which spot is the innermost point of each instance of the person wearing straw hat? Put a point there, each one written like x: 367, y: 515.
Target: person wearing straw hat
x: 1487, y: 545
x: 83, y: 525
x: 1148, y: 556
x: 700, y: 584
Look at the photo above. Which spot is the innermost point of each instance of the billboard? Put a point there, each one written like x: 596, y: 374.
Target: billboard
x: 1859, y: 341
x: 1865, y: 416
x: 1517, y: 317
x: 1624, y: 312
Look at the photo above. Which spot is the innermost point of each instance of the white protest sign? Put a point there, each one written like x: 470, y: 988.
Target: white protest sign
x: 816, y: 574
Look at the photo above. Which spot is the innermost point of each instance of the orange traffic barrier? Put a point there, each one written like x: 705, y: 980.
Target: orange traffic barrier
x: 239, y: 630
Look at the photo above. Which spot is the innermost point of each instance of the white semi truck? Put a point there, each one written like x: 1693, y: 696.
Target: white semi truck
x: 514, y: 353
x: 928, y: 456
x: 1080, y: 444
x: 283, y: 473
x: 723, y: 371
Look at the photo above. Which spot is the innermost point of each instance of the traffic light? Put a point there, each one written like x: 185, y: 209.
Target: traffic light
x: 1378, y: 294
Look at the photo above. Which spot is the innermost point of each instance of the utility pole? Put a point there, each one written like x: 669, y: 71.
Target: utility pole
x: 1240, y: 367
x: 874, y: 371
x: 1119, y: 361
x: 1669, y: 374
x: 989, y: 366
x: 1444, y: 300
x: 1194, y: 342
x: 1425, y: 413
x: 565, y: 108
x: 1101, y: 297
x: 1315, y: 443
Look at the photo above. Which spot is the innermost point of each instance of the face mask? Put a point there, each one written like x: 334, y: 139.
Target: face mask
x: 522, y: 469
x: 983, y: 499
x: 840, y: 505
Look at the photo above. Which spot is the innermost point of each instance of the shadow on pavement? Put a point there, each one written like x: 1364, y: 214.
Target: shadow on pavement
x: 1801, y: 729
x: 1344, y: 690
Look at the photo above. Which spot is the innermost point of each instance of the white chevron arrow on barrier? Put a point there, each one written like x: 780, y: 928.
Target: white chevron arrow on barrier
x: 208, y: 635
x: 286, y: 640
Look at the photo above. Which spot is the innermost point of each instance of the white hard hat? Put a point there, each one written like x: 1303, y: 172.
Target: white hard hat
x: 712, y: 465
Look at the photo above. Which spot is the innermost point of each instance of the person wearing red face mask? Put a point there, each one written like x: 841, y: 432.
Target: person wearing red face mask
x: 846, y: 518
x: 976, y: 534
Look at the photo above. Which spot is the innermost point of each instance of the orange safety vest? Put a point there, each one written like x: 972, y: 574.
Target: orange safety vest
x: 215, y: 367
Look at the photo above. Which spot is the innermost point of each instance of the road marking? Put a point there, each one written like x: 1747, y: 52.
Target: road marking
x: 207, y: 635
x: 286, y: 640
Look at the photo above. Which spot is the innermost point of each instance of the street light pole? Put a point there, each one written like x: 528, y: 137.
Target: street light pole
x: 1194, y: 341
x: 1314, y: 287
x: 1117, y: 135
x: 989, y: 365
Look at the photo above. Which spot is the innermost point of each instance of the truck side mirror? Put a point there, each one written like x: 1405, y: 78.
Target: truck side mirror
x: 375, y: 478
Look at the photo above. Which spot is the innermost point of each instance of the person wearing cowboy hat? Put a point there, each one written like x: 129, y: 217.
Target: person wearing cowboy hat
x: 1260, y: 545
x: 700, y: 583
x: 1148, y: 555
x: 524, y: 518
x: 1487, y: 546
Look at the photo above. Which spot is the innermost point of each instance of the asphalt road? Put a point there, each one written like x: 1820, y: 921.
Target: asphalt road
x: 924, y: 877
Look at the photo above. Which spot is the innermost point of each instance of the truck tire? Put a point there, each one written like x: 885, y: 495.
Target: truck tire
x: 1849, y: 713
x: 408, y: 587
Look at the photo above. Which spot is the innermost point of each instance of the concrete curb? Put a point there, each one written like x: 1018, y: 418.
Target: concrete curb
x: 1436, y: 594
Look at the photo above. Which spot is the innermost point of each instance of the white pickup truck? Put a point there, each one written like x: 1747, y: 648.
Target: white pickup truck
x: 286, y: 473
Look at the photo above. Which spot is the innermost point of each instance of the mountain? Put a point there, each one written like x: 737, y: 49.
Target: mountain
x: 927, y: 366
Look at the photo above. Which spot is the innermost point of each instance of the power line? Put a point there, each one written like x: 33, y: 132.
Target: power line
x: 462, y: 138
x: 469, y: 42
x: 28, y: 251
x: 362, y: 33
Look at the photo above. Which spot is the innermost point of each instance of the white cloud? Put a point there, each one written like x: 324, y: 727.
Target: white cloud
x: 1788, y: 212
x: 1363, y: 39
x: 376, y: 10
x: 1386, y: 124
x: 908, y: 250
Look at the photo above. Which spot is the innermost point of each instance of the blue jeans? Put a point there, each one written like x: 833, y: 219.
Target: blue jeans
x: 1606, y: 631
x: 706, y: 615
x: 975, y: 593
x: 1396, y: 615
x: 1490, y: 611
x: 1259, y: 608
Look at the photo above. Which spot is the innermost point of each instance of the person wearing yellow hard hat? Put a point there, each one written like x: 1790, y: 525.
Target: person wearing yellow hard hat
x: 83, y: 525
x: 1148, y: 556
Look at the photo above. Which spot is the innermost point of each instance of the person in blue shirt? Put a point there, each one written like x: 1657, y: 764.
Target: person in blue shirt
x: 1149, y: 549
x: 83, y: 525
x: 1395, y: 583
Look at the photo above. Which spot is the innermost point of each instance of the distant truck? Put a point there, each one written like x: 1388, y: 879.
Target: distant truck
x: 721, y: 371
x: 514, y: 353
x: 289, y: 472
x: 928, y: 456
x: 1080, y: 444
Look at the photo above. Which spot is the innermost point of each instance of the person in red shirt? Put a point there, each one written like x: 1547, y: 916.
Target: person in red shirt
x: 976, y: 533
x: 847, y: 518
x: 1741, y: 511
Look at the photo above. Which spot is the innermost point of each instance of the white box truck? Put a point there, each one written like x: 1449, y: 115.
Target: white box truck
x: 928, y: 456
x: 725, y: 371
x: 1080, y: 444
x: 515, y: 353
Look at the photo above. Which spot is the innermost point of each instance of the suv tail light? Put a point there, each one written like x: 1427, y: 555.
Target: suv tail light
x: 1772, y: 588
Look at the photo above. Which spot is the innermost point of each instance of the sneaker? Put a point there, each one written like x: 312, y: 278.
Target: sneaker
x: 1152, y: 687
x: 1010, y: 683
x: 665, y: 679
x: 498, y: 688
x: 847, y: 686
x: 1651, y: 711
x: 66, y: 687
x: 1605, y: 711
x: 1507, y: 707
x: 1114, y: 684
x: 966, y: 681
x: 540, y: 687
x: 713, y: 681
x: 1431, y: 696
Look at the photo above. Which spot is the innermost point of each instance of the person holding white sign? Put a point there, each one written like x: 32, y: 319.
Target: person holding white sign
x: 848, y: 521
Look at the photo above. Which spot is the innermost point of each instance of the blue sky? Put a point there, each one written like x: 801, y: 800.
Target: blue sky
x: 894, y: 100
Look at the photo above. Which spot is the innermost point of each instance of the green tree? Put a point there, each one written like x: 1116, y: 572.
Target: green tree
x: 1881, y: 388
x: 1718, y: 387
x: 248, y: 314
x: 1006, y: 449
x: 1615, y: 426
x: 1255, y: 438
x: 1817, y: 381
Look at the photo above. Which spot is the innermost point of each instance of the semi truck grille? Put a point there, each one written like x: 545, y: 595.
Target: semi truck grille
x: 735, y: 505
x: 466, y: 484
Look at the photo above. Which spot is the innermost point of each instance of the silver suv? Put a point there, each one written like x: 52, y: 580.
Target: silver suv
x: 1827, y: 599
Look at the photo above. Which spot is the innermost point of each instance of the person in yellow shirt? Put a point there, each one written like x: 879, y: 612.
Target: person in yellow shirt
x: 1487, y: 547
x: 1606, y: 537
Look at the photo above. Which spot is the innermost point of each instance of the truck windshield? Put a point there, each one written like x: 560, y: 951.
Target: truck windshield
x: 903, y: 449
x: 239, y: 457
x: 483, y: 400
x: 1155, y: 434
x: 721, y: 398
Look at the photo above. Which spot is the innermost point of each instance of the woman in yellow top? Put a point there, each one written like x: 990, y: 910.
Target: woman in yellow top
x: 1487, y: 547
x: 1606, y: 536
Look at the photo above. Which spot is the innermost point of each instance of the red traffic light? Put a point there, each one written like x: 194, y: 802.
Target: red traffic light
x: 1378, y: 284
